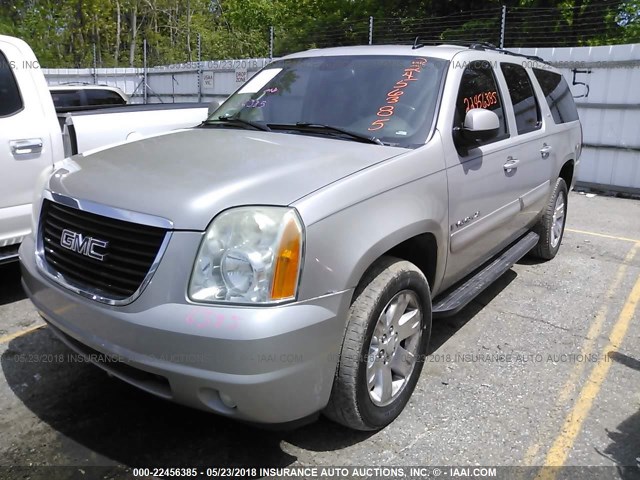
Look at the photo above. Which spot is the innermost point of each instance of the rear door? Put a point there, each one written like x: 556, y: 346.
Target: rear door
x: 533, y: 152
x: 27, y: 122
x: 561, y: 123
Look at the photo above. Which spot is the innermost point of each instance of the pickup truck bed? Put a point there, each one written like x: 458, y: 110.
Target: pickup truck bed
x: 31, y: 142
x: 89, y: 129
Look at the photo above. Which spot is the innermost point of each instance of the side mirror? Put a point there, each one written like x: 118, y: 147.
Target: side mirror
x: 480, y: 125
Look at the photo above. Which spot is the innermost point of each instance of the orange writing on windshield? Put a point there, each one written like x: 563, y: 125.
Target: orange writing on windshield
x: 386, y: 111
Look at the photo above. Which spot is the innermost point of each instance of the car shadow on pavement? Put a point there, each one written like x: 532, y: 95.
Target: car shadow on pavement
x: 445, y: 328
x: 531, y: 260
x: 104, y: 418
x: 10, y: 286
x: 625, y: 447
x: 625, y: 360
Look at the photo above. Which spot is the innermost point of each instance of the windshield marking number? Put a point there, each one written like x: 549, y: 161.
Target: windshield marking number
x: 481, y: 100
x: 257, y: 102
x: 386, y: 111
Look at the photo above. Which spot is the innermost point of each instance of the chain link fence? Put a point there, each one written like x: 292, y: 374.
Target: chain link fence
x: 508, y: 27
x: 605, y: 23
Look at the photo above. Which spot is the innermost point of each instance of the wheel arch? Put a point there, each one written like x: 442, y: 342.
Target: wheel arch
x: 567, y: 172
x: 420, y: 248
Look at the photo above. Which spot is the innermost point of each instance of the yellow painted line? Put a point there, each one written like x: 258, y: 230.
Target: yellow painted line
x: 560, y: 449
x: 602, y: 235
x: 588, y: 346
x: 11, y: 336
x: 596, y: 327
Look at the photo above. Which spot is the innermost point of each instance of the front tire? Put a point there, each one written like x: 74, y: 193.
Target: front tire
x: 384, y: 347
x: 550, y: 227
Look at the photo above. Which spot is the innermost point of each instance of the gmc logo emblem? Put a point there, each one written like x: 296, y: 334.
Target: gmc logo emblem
x: 76, y: 242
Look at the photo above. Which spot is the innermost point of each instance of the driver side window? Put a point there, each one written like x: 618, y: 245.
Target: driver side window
x: 479, y: 89
x: 10, y: 99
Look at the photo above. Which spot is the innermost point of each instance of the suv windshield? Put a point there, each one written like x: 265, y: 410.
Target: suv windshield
x: 391, y: 98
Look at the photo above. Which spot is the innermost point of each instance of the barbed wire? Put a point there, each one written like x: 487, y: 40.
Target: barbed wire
x: 523, y: 27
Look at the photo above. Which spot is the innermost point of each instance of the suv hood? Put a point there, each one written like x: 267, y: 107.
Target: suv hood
x: 190, y: 176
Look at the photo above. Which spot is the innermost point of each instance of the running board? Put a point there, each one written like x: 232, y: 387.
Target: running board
x: 9, y: 254
x: 458, y: 298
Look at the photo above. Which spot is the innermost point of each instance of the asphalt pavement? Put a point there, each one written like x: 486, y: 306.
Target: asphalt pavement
x: 542, y: 369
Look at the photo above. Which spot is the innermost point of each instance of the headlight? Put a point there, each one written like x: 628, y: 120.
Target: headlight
x: 249, y: 255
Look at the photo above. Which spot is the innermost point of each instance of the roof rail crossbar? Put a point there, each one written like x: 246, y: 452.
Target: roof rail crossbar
x: 417, y: 44
x: 489, y: 46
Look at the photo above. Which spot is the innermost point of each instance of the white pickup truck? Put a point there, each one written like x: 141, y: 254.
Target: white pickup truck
x: 31, y: 140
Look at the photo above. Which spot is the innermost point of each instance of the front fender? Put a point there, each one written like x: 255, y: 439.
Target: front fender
x: 374, y: 211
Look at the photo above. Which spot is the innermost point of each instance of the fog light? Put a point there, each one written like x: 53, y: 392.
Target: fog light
x: 227, y: 400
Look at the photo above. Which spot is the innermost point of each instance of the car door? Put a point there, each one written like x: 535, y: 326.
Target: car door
x: 533, y: 150
x: 483, y: 194
x: 25, y: 138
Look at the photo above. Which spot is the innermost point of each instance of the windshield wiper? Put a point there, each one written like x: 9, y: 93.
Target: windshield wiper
x: 239, y: 121
x: 319, y: 127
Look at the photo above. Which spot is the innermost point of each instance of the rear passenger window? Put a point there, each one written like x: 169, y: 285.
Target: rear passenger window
x: 104, y: 97
x: 525, y: 104
x: 478, y: 89
x: 66, y: 98
x: 10, y: 99
x: 558, y: 96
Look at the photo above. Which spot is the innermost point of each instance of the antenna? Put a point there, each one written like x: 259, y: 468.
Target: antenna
x: 417, y: 44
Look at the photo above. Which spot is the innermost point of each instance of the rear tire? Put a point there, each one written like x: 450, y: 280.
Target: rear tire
x: 550, y: 227
x: 384, y: 347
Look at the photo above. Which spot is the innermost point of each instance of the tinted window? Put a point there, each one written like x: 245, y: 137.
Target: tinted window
x: 66, y: 98
x: 478, y: 89
x: 103, y: 97
x: 10, y: 99
x: 390, y: 97
x: 525, y: 104
x: 558, y: 96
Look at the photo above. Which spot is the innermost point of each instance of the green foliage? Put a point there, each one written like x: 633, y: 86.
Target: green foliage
x: 65, y: 33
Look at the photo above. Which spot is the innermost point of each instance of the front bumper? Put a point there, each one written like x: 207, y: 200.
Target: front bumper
x: 277, y: 364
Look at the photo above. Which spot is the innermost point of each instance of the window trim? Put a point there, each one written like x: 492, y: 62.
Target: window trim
x: 499, y: 138
x: 17, y: 84
x: 539, y: 123
x: 557, y: 102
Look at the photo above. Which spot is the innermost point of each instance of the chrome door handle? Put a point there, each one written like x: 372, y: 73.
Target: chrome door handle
x: 545, y: 151
x: 511, y: 164
x: 28, y: 146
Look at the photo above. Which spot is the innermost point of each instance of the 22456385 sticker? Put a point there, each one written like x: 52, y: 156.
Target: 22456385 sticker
x: 386, y: 111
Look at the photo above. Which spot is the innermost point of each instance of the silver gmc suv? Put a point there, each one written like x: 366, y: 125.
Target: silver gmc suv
x: 287, y: 256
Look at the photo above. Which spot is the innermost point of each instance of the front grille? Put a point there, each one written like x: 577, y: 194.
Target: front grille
x: 126, y: 259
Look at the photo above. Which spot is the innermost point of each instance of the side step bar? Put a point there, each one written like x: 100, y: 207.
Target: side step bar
x: 9, y: 254
x: 459, y: 297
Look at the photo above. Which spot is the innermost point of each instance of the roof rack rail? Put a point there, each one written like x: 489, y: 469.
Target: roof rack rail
x: 489, y: 46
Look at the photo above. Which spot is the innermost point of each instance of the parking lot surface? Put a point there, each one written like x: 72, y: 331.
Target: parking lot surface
x: 542, y: 369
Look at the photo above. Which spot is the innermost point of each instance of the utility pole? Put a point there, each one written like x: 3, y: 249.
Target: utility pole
x: 503, y: 27
x: 95, y: 65
x: 371, y: 30
x: 199, y: 68
x: 271, y: 35
x: 144, y: 60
